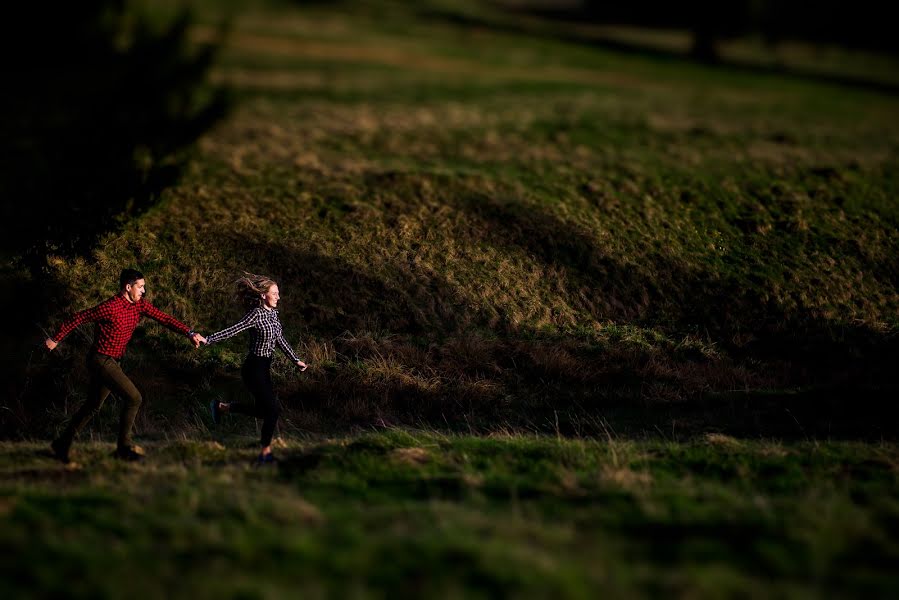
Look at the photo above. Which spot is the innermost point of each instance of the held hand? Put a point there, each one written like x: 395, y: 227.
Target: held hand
x: 301, y: 365
x: 51, y: 344
x: 197, y: 339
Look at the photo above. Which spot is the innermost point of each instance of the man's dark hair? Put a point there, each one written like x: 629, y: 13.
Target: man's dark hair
x: 129, y: 276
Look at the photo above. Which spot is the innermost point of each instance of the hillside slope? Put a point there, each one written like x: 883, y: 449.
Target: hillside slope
x: 479, y: 229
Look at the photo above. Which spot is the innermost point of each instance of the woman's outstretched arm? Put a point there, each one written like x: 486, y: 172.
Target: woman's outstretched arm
x: 286, y: 349
x: 248, y: 321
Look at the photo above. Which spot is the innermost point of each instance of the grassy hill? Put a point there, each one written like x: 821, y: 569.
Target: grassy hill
x: 479, y: 228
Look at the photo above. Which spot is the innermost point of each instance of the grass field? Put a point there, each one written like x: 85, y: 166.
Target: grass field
x: 406, y: 513
x: 577, y: 320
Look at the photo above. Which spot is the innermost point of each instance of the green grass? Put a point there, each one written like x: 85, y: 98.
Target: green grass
x: 405, y: 512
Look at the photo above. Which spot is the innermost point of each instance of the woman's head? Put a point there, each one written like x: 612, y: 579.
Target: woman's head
x: 257, y: 290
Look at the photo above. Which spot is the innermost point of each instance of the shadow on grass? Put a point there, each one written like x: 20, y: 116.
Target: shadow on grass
x: 412, y: 350
x: 660, y: 293
x: 404, y: 346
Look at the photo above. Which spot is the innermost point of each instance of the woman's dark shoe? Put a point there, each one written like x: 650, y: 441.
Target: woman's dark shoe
x: 265, y: 459
x: 216, y: 413
x: 60, y: 451
x: 129, y: 453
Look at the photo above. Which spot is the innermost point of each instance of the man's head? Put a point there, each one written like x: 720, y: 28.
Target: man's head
x: 132, y: 285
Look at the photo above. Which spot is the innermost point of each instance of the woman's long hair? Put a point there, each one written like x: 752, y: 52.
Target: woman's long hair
x: 249, y: 289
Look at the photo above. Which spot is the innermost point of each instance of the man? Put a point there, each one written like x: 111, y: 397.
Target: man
x: 116, y: 319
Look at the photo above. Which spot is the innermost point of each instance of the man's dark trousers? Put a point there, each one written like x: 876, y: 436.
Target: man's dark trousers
x: 106, y: 376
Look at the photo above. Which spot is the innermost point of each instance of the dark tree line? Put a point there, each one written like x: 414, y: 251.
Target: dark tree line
x: 862, y: 24
x: 99, y: 106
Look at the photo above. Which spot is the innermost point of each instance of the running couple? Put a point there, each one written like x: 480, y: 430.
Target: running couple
x: 116, y: 319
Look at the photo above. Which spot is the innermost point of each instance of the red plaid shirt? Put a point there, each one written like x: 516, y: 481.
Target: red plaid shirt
x: 116, y: 319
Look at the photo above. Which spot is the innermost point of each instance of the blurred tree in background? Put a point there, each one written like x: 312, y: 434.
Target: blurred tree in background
x: 100, y: 103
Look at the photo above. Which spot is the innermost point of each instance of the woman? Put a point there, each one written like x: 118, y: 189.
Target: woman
x: 260, y: 296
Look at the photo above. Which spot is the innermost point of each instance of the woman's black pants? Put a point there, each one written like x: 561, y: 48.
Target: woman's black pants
x: 257, y: 376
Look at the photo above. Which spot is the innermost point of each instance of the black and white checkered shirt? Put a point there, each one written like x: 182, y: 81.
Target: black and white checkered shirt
x: 265, y: 333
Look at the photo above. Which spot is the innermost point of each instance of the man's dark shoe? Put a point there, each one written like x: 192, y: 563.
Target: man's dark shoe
x: 60, y: 451
x: 129, y: 453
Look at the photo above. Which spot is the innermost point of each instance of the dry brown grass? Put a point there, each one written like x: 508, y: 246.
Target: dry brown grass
x: 625, y: 478
x: 410, y: 456
x: 720, y: 439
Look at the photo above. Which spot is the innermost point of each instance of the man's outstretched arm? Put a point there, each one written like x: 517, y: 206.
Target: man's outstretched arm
x: 88, y: 315
x: 171, y: 322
